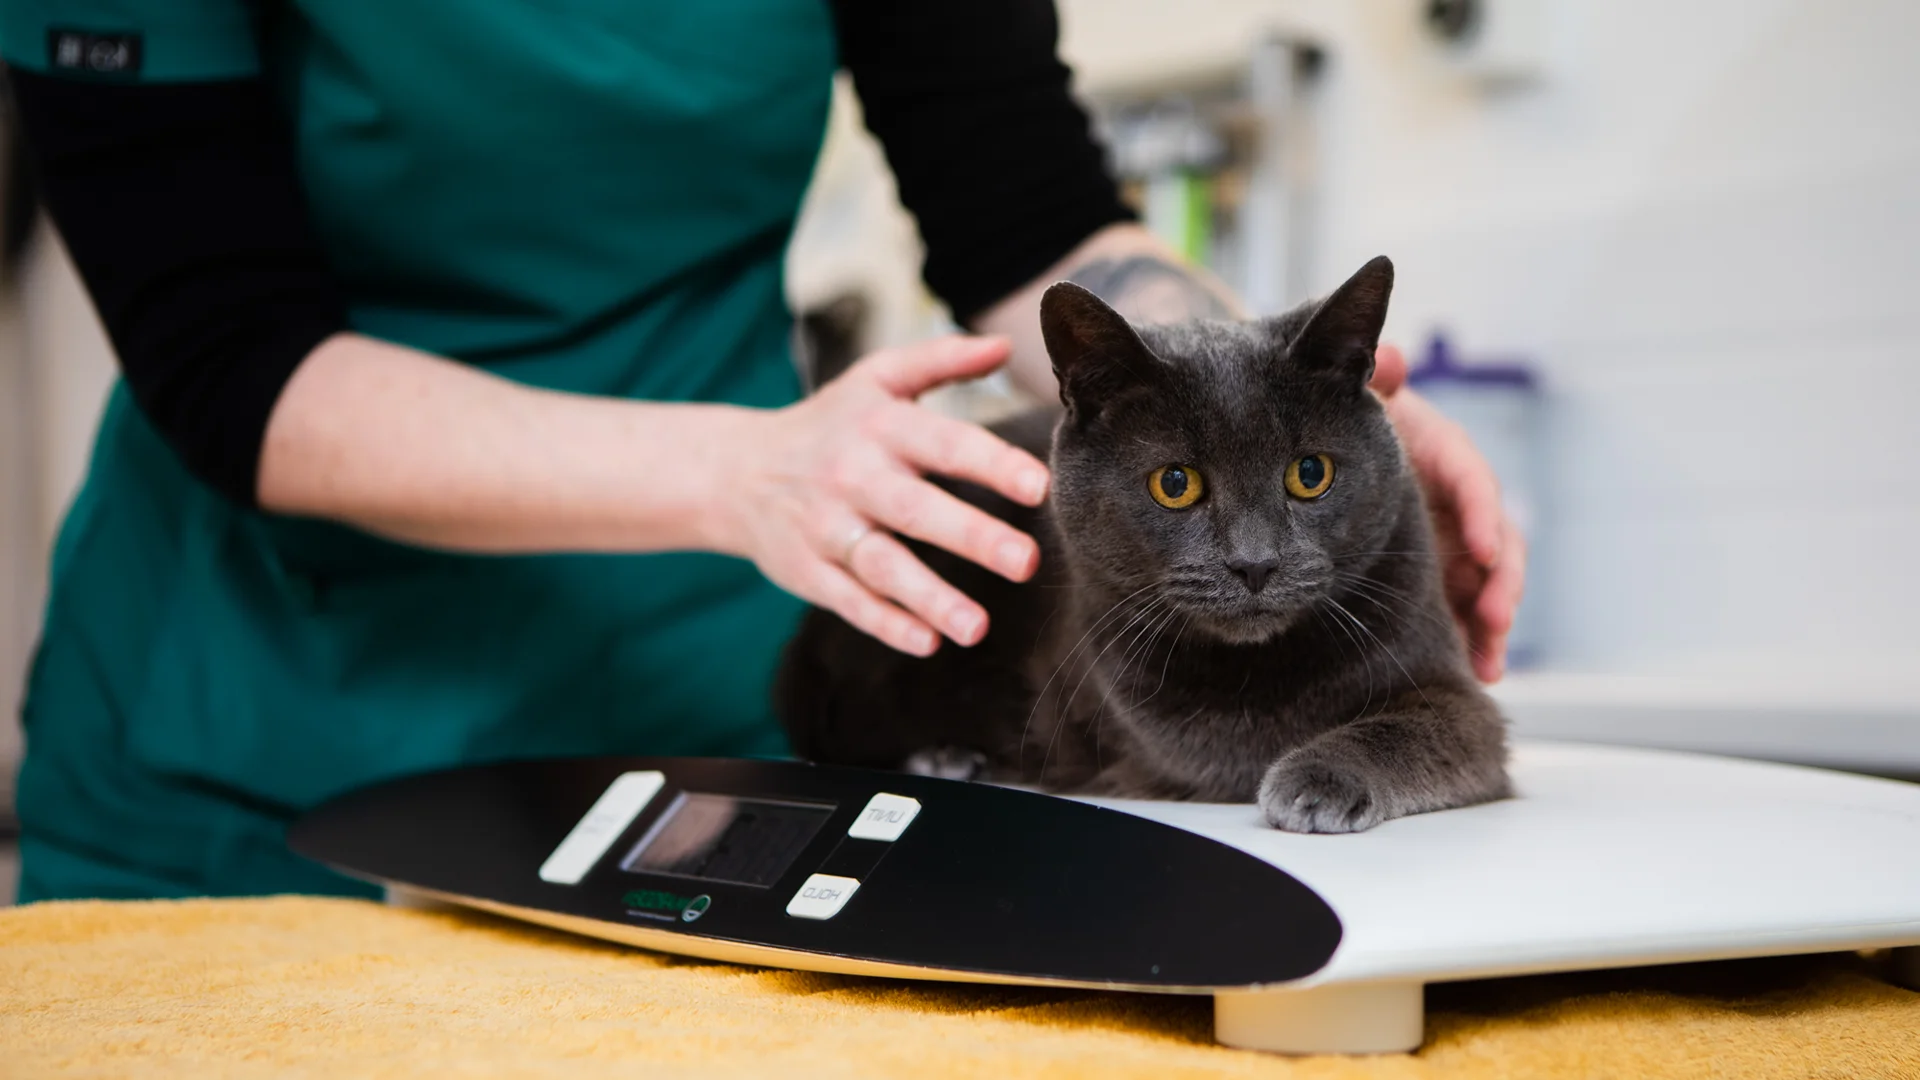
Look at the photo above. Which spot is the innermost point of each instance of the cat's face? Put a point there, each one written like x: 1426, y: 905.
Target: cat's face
x: 1235, y: 470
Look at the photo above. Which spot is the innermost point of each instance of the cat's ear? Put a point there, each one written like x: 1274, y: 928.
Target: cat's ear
x: 1096, y: 354
x: 1342, y: 333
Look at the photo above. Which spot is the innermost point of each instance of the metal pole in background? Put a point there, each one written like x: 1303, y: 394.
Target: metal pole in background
x: 1280, y: 186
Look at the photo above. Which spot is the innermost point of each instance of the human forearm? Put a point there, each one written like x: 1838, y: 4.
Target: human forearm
x: 429, y: 451
x: 425, y: 450
x: 1128, y: 267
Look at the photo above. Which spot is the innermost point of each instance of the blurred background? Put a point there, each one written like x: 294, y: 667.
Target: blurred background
x: 1659, y: 257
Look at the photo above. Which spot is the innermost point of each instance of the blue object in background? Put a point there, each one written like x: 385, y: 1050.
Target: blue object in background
x: 1499, y: 405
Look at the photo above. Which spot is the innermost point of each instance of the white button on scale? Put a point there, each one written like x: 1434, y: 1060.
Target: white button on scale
x: 603, y: 823
x: 822, y: 897
x: 885, y: 818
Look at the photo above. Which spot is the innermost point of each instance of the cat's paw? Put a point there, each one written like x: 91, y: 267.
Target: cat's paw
x: 1307, y: 793
x: 945, y: 763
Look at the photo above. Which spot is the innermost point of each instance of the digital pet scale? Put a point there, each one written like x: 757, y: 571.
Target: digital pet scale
x: 1607, y: 858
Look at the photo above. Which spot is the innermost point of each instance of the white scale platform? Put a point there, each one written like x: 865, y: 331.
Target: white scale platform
x: 1607, y: 857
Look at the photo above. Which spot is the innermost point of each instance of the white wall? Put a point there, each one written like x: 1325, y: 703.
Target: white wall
x: 55, y: 367
x: 71, y: 367
x: 1703, y: 222
x: 19, y: 542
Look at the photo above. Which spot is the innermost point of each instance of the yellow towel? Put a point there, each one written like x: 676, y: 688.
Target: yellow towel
x: 339, y: 988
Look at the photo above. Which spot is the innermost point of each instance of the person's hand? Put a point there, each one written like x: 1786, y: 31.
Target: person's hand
x: 816, y: 491
x: 1483, y: 556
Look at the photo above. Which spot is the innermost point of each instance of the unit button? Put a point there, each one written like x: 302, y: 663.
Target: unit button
x: 822, y: 897
x: 885, y: 818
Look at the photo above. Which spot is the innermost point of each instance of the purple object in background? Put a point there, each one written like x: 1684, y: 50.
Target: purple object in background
x: 1498, y: 402
x: 1439, y: 366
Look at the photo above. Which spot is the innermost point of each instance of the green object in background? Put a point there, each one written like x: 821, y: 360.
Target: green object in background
x: 1179, y: 209
x: 589, y: 198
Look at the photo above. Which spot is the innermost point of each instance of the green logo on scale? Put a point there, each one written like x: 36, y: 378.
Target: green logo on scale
x: 661, y: 904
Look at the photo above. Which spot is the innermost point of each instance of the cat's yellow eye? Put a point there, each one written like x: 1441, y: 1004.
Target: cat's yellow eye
x: 1175, y: 487
x: 1310, y: 477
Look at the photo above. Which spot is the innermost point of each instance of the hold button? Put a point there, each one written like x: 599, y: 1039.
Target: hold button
x: 885, y: 818
x: 822, y: 897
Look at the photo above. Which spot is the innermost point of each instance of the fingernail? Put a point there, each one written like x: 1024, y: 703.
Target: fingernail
x: 964, y: 627
x: 1013, y: 559
x: 920, y: 641
x: 1033, y: 485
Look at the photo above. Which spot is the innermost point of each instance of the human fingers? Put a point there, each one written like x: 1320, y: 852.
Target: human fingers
x: 1500, y: 596
x: 912, y: 507
x: 1461, y: 577
x: 1498, y: 601
x: 884, y: 565
x: 835, y: 589
x: 1389, y: 370
x: 1462, y: 580
x: 949, y: 447
x: 1490, y: 659
x: 912, y: 370
x: 1459, y: 477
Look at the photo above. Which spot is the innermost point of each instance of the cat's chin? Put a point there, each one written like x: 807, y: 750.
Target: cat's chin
x: 1242, y: 629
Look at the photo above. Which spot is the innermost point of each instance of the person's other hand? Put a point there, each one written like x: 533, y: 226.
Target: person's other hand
x: 818, y: 490
x: 1483, y: 556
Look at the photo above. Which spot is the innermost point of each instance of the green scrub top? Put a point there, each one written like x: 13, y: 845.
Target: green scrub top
x: 586, y: 195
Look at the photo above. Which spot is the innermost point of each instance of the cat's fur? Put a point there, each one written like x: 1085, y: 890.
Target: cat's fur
x: 1139, y: 662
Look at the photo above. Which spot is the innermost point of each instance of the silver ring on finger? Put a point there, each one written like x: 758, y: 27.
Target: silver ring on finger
x: 854, y: 536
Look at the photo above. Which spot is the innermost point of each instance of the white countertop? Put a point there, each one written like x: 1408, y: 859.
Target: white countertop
x: 1868, y: 721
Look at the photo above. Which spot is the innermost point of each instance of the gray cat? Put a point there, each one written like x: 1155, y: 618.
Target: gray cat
x: 1238, y: 598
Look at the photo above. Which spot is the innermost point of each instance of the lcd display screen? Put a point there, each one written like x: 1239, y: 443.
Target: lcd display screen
x: 726, y: 838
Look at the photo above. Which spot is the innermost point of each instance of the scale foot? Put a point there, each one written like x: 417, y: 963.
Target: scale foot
x: 1341, y: 1018
x: 1903, y: 967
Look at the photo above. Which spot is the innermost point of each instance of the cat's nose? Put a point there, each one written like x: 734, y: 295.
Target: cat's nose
x: 1253, y: 572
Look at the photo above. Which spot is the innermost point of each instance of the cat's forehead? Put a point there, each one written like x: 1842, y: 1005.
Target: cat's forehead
x: 1209, y: 345
x: 1224, y: 371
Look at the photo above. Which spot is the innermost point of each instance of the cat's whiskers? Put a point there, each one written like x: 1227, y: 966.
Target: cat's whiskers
x: 1171, y: 649
x: 1141, y: 618
x: 1363, y: 588
x: 1141, y: 651
x: 1189, y: 718
x: 1144, y: 639
x: 1126, y: 656
x: 1360, y: 651
x: 1066, y: 706
x: 1364, y: 628
x: 1119, y: 605
x: 1107, y: 687
x: 1436, y: 553
x: 1178, y: 636
x: 1372, y: 590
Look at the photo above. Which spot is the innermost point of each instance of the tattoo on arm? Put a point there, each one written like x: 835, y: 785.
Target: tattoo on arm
x: 1148, y: 289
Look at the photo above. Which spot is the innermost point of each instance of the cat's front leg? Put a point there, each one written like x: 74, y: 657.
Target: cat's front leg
x: 1431, y: 749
